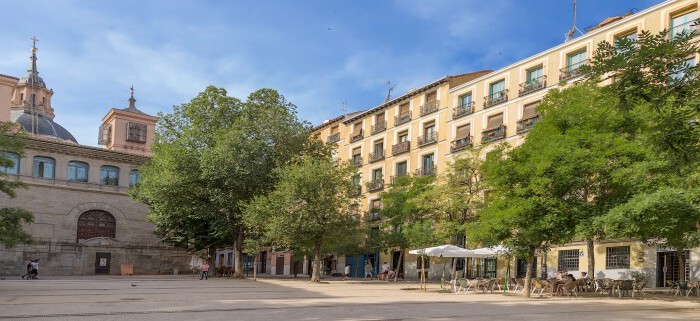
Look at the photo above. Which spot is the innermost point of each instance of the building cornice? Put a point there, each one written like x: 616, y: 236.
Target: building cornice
x: 83, y: 151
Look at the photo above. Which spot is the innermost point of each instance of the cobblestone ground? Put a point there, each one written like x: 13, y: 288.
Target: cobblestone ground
x: 185, y: 298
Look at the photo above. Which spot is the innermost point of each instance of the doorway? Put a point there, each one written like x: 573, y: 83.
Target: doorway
x: 279, y: 265
x: 263, y: 262
x: 668, y: 267
x: 521, y: 268
x: 102, y: 262
x: 396, y: 265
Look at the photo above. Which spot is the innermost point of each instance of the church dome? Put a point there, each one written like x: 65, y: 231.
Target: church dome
x: 45, y: 126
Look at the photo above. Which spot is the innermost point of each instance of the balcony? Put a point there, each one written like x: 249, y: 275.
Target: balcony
x: 357, y: 160
x: 686, y: 28
x: 378, y: 127
x: 375, y: 185
x: 429, y: 107
x: 392, y: 179
x: 525, y: 124
x: 373, y: 214
x: 460, y: 144
x: 356, y: 190
x: 496, y: 98
x: 494, y: 134
x: 463, y: 110
x: 572, y: 71
x: 357, y: 136
x: 400, y: 148
x: 402, y: 118
x: 426, y: 171
x: 332, y: 138
x: 376, y: 156
x: 532, y: 86
x: 430, y: 138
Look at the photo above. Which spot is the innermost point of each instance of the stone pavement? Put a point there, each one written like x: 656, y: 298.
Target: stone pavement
x: 186, y: 298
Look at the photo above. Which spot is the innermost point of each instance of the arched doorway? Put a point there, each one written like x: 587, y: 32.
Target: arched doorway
x: 96, y: 223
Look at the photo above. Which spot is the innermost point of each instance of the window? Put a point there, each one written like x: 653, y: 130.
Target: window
x: 465, y: 100
x: 575, y: 60
x: 357, y: 156
x: 428, y: 164
x: 96, y: 223
x: 463, y: 132
x: 229, y: 259
x: 683, y: 23
x: 623, y: 39
x: 403, y: 137
x: 568, y: 260
x: 401, y: 169
x: 377, y: 175
x: 530, y: 110
x: 497, y: 90
x: 431, y: 97
x: 77, y: 171
x: 136, y: 132
x: 12, y: 169
x: 134, y: 176
x: 356, y: 180
x: 494, y: 121
x: 429, y: 130
x: 43, y: 167
x: 105, y: 135
x: 378, y: 149
x: 419, y: 262
x: 534, y: 75
x: 109, y: 175
x: 617, y: 257
x: 478, y: 267
x: 681, y: 69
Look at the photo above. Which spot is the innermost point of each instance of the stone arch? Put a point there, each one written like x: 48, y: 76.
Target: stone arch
x: 96, y: 223
x: 74, y: 214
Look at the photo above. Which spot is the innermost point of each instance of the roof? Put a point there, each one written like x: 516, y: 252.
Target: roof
x: 44, y: 126
x: 8, y: 76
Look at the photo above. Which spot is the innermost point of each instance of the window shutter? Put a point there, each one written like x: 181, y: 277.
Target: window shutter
x: 356, y: 129
x: 529, y: 110
x: 431, y: 97
x: 376, y: 204
x: 380, y: 118
x: 356, y: 151
x: 495, y: 121
x: 462, y: 132
x: 334, y: 129
x: 403, y: 108
x: 105, y: 135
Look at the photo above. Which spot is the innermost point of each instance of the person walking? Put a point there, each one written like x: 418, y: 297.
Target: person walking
x: 347, y: 271
x: 205, y: 271
x: 368, y: 270
x: 29, y: 270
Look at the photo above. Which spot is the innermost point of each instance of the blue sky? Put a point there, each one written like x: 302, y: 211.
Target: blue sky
x: 316, y: 53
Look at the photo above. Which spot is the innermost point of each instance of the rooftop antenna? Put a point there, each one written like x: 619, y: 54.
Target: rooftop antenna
x: 572, y: 32
x: 345, y: 106
x: 390, y: 88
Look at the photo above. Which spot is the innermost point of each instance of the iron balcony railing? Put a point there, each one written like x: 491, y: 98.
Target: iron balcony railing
x: 526, y: 123
x: 463, y: 110
x: 686, y: 28
x: 460, y: 144
x: 357, y: 189
x: 429, y: 107
x: 332, y: 138
x: 357, y: 160
x: 376, y: 156
x: 572, y: 71
x: 357, y: 137
x: 378, y: 127
x: 426, y: 171
x: 375, y: 185
x: 496, y: 98
x: 533, y: 85
x: 400, y: 148
x: 493, y: 134
x: 428, y: 139
x: 402, y: 118
x: 373, y: 214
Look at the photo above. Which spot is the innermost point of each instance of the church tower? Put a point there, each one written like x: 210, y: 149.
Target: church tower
x: 128, y: 130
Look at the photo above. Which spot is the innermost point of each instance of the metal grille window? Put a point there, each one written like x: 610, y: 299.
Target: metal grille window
x: 617, y: 257
x: 96, y: 223
x: 11, y: 168
x: 136, y: 132
x: 568, y: 260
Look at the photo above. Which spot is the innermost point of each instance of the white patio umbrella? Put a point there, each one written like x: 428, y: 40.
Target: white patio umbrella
x: 490, y: 251
x: 446, y: 250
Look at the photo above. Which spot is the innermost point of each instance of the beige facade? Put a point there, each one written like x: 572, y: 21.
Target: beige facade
x: 492, y: 107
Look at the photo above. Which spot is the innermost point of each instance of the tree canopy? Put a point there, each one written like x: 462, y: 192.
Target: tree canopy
x: 12, y: 219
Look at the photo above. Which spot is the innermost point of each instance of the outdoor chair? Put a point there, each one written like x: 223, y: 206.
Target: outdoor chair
x: 491, y: 284
x: 460, y: 284
x: 472, y: 284
x: 501, y: 284
x: 683, y: 288
x: 569, y: 288
x: 602, y: 285
x: 538, y: 284
x: 626, y: 286
x: 672, y: 287
x: 519, y: 285
x: 639, y: 288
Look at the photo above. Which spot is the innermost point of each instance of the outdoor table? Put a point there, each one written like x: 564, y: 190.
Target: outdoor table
x: 694, y: 286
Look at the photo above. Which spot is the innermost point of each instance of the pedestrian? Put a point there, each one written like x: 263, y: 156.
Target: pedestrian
x: 29, y: 270
x: 34, y: 273
x: 385, y: 271
x: 368, y: 270
x: 347, y: 271
x: 205, y: 271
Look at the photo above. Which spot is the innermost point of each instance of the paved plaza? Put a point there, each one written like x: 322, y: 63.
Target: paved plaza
x: 187, y: 298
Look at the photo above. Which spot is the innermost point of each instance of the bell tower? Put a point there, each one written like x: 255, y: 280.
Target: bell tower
x: 128, y: 130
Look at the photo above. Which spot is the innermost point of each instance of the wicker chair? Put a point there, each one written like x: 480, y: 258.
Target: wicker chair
x: 569, y: 288
x: 538, y: 284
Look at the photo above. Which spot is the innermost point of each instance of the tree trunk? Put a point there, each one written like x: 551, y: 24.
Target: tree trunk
x: 255, y: 267
x: 212, y: 261
x: 238, y: 256
x: 528, y: 274
x: 591, y: 258
x: 398, y: 265
x: 453, y: 273
x: 316, y: 274
x: 681, y: 264
x: 422, y: 274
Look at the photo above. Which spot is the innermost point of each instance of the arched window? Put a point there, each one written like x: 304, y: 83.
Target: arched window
x: 109, y: 175
x: 133, y: 177
x: 14, y: 167
x: 96, y: 223
x: 78, y: 171
x: 21, y: 99
x: 43, y: 167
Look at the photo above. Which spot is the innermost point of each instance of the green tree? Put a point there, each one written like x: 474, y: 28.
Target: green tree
x: 213, y: 155
x: 11, y: 218
x: 309, y: 208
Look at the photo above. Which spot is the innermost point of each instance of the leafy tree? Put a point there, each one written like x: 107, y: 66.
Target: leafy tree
x: 11, y: 218
x: 309, y: 208
x: 655, y: 82
x: 212, y: 155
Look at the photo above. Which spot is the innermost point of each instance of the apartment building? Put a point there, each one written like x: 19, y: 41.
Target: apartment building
x: 422, y: 131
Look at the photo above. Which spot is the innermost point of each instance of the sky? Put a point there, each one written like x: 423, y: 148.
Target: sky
x: 325, y: 56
